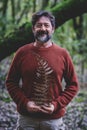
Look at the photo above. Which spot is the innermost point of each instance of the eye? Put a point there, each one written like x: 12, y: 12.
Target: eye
x: 46, y: 25
x: 38, y: 25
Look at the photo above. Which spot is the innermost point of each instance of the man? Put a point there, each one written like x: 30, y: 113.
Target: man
x: 41, y: 66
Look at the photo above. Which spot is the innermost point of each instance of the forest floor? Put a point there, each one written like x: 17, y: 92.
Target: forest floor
x: 75, y: 117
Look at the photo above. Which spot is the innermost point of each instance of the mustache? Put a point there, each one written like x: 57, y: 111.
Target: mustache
x: 41, y: 33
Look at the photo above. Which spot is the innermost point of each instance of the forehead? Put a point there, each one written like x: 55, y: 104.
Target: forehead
x: 44, y: 19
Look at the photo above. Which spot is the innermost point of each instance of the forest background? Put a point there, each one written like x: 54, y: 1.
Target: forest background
x: 70, y: 33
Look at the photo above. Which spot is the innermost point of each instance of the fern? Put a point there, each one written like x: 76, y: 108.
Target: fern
x: 42, y: 81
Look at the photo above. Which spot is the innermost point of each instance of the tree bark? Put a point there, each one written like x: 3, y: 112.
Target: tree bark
x: 69, y: 9
x: 5, y: 3
x: 13, y: 10
x: 78, y: 26
x: 15, y: 40
x: 44, y: 4
x: 34, y: 5
x: 62, y: 12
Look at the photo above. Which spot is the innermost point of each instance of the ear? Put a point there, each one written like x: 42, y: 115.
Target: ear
x: 33, y: 28
x: 53, y: 29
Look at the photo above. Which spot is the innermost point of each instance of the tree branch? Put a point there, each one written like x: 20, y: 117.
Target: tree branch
x: 62, y: 12
x: 69, y: 9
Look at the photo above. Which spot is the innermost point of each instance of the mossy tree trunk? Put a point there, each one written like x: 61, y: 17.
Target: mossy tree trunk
x: 63, y: 12
x: 69, y: 9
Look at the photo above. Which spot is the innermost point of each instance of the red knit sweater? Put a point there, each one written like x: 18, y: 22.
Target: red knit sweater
x: 24, y: 66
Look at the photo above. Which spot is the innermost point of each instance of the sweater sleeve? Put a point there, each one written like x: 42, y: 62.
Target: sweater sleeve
x: 71, y: 87
x: 12, y: 82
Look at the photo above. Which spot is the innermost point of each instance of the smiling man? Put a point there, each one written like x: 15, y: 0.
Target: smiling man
x: 43, y: 30
x: 41, y: 66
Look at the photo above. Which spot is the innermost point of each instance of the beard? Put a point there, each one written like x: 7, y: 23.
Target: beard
x: 42, y: 36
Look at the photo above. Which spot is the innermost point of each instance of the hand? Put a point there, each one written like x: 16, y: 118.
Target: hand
x: 47, y: 108
x: 32, y: 107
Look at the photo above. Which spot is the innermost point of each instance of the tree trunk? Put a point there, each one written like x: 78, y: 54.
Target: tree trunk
x: 44, y: 4
x: 13, y: 10
x: 15, y: 40
x: 5, y: 3
x: 78, y: 26
x: 69, y: 9
x: 54, y: 4
x: 62, y: 12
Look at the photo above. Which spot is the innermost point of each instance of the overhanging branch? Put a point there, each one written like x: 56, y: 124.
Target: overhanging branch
x: 62, y: 12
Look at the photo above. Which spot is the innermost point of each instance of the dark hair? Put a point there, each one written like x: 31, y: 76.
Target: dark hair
x: 37, y: 15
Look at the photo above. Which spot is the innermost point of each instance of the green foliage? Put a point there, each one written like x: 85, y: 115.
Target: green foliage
x: 13, y: 16
x: 6, y: 98
x: 81, y: 97
x: 65, y: 36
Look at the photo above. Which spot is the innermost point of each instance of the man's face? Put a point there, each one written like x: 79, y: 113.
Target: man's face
x: 43, y: 30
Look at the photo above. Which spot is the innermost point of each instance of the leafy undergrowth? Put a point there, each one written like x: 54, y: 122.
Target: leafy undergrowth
x: 76, y: 116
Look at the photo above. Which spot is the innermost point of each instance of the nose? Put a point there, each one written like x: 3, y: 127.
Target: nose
x: 43, y: 27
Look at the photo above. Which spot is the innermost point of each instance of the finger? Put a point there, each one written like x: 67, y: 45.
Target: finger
x: 44, y: 111
x: 35, y: 106
x: 46, y: 108
x: 34, y: 110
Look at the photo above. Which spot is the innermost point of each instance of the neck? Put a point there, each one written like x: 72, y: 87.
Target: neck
x: 43, y: 45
